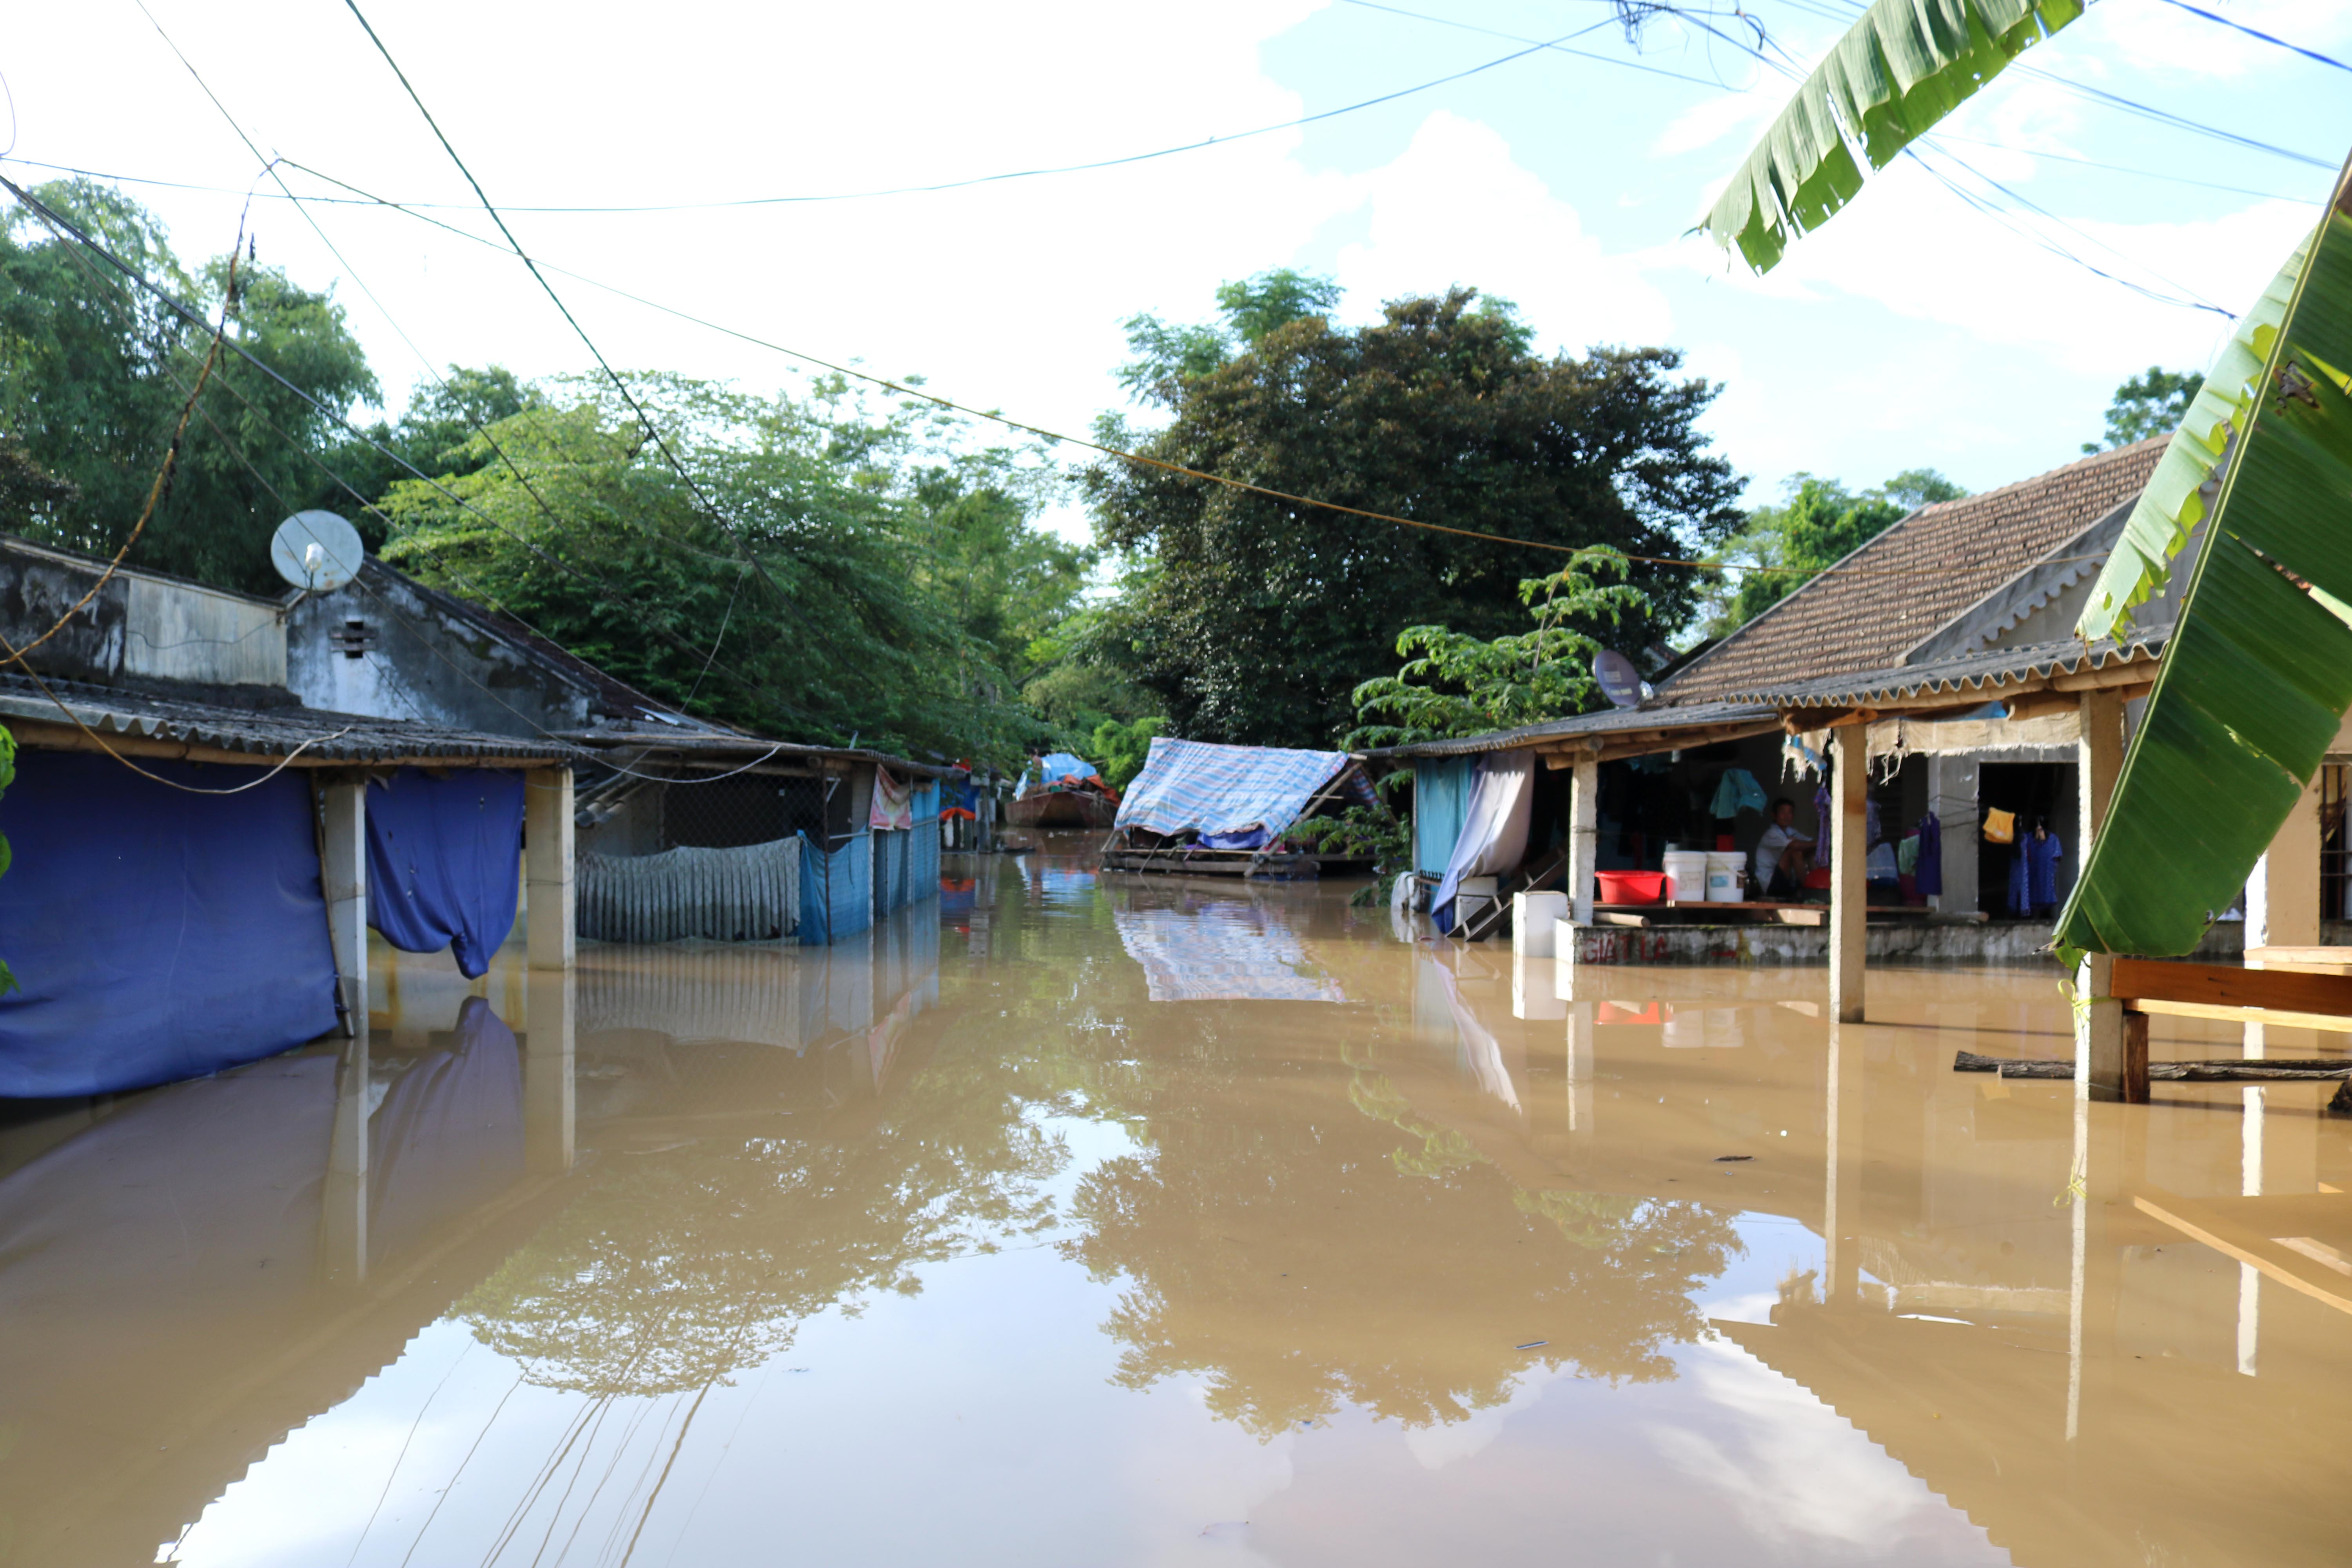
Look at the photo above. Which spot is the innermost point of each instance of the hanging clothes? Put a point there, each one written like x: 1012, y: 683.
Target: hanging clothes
x: 1494, y: 829
x: 1928, y: 870
x: 442, y: 862
x: 893, y: 806
x: 1870, y: 812
x: 2018, y: 904
x: 1825, y: 830
x: 2041, y: 854
x: 1735, y: 792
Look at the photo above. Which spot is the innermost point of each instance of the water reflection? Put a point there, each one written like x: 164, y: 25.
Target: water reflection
x: 1107, y: 1214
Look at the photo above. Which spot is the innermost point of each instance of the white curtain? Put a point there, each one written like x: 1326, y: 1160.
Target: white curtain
x: 1495, y: 829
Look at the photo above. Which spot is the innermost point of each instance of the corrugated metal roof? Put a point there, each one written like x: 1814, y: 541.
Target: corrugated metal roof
x: 1976, y: 675
x: 268, y: 729
x: 1610, y: 721
x: 738, y: 748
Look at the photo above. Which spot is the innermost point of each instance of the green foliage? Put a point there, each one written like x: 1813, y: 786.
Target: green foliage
x: 1462, y: 685
x: 1252, y: 620
x: 907, y: 580
x: 2150, y: 403
x: 1119, y: 750
x: 1819, y: 524
x: 92, y: 379
x: 1168, y: 358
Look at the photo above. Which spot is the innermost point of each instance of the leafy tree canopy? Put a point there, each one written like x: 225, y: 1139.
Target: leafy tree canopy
x: 1253, y: 619
x: 1465, y: 686
x: 2153, y: 403
x: 93, y: 376
x: 1819, y: 523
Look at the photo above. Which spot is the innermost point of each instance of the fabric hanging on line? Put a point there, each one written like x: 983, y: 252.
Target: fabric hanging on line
x: 1928, y: 870
x: 894, y: 802
x: 1825, y: 827
x: 1735, y: 792
x: 960, y: 798
x: 2042, y: 853
x: 156, y: 935
x: 1494, y: 830
x: 442, y: 868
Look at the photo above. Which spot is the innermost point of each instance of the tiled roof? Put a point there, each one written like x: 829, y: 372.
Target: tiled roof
x: 1976, y: 676
x: 1867, y: 611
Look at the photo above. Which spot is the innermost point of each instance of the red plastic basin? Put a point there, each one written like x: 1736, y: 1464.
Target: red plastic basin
x: 1631, y: 887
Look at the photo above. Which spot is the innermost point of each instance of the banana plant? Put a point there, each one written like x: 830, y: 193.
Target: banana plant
x: 2258, y: 673
x: 1898, y: 70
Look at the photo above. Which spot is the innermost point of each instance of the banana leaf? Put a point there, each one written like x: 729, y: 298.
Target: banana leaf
x: 1898, y: 70
x: 2258, y: 673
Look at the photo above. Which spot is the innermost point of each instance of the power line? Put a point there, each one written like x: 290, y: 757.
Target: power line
x: 66, y: 227
x: 2258, y: 33
x: 598, y: 355
x: 1056, y: 437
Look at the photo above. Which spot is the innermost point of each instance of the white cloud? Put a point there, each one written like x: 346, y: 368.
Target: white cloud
x: 1455, y: 208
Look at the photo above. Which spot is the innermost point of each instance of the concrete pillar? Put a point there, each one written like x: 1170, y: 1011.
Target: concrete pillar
x: 1842, y: 1135
x: 551, y: 939
x: 2099, y: 1049
x: 1849, y: 896
x: 2282, y: 895
x: 343, y: 871
x: 550, y: 1030
x: 1952, y: 796
x: 1579, y: 1069
x: 343, y: 1210
x: 1583, y: 840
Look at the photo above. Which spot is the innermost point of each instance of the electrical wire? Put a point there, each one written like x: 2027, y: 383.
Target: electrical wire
x: 2258, y: 33
x: 1055, y: 437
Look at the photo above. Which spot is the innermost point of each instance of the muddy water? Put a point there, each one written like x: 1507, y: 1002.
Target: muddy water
x: 1071, y: 1221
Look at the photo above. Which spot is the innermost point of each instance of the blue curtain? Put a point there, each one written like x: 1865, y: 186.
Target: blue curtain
x: 1440, y: 805
x: 156, y: 935
x: 444, y: 867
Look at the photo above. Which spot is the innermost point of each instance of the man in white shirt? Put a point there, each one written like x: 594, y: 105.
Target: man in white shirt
x: 1783, y: 857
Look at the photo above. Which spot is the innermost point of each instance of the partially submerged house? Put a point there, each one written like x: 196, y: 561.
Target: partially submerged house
x: 1943, y: 653
x: 687, y: 828
x: 1208, y: 809
x: 198, y: 854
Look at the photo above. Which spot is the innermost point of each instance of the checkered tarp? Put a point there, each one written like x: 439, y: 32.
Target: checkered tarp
x: 1228, y: 789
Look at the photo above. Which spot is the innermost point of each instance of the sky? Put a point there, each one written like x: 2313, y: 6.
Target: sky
x: 1913, y: 330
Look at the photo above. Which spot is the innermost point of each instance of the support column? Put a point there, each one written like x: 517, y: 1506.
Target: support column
x: 1843, y: 1138
x: 2282, y: 894
x: 1849, y: 867
x: 343, y: 871
x: 2100, y: 1064
x: 1583, y: 839
x: 343, y: 1208
x: 551, y: 938
x: 549, y: 1032
x: 1579, y: 1070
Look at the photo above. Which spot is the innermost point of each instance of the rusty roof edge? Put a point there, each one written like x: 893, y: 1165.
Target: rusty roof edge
x: 1978, y: 674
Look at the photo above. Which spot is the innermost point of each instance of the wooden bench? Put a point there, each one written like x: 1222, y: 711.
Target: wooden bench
x: 2310, y: 997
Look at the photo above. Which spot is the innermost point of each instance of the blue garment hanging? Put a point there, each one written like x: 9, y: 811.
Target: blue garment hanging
x: 442, y: 867
x: 1927, y: 871
x: 2018, y: 905
x: 2042, y: 853
x: 1735, y: 792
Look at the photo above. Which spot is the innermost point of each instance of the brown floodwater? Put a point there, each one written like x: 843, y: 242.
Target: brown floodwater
x: 1079, y: 1220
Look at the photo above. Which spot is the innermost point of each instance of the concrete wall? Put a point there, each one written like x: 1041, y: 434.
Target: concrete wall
x: 140, y: 626
x: 427, y: 663
x: 1908, y: 940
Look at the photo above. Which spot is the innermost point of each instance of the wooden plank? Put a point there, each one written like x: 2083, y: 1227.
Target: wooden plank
x: 2301, y: 960
x: 2157, y: 980
x: 1617, y: 917
x: 2326, y: 1021
x: 2215, y: 1225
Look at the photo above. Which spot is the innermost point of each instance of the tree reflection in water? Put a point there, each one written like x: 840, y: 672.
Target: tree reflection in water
x: 1283, y: 1226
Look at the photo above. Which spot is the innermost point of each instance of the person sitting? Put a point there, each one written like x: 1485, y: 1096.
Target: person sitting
x: 1783, y: 856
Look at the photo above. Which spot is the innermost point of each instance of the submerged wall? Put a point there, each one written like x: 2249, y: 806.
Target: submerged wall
x: 1910, y: 941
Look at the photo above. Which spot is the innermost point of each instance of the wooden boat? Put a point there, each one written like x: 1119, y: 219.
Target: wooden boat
x: 1062, y: 808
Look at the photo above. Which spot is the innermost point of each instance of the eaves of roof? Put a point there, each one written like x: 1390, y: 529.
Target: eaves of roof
x: 1979, y: 676
x: 265, y: 732
x: 1601, y: 726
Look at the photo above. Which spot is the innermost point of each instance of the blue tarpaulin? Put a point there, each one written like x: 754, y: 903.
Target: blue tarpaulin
x: 836, y: 889
x: 442, y: 862
x: 1440, y: 805
x: 156, y: 935
x: 1229, y: 790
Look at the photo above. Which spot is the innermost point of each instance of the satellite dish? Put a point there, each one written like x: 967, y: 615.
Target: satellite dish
x: 1620, y: 681
x: 317, y: 552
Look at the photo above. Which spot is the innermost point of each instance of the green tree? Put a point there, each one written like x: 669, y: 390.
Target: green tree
x: 2150, y: 403
x: 1469, y: 685
x: 1168, y: 358
x: 1819, y: 524
x: 1253, y: 619
x: 93, y: 374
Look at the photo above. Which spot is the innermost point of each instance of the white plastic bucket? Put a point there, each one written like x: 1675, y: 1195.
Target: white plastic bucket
x: 1686, y: 873
x: 1725, y: 884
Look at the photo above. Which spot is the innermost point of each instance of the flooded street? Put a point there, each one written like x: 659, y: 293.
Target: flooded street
x: 1078, y: 1220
